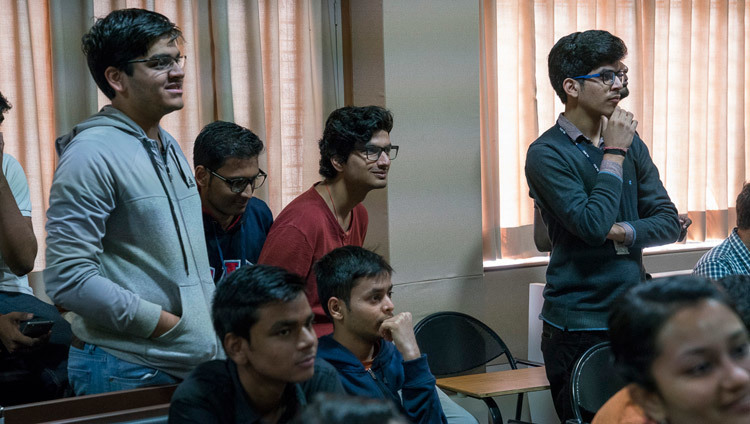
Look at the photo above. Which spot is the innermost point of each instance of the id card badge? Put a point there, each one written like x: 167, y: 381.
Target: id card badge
x: 621, y: 249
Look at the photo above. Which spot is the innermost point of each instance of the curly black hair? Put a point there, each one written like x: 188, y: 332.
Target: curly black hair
x: 349, y: 128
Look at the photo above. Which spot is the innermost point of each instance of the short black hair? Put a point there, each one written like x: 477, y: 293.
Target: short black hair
x: 4, y: 107
x: 347, y: 129
x: 221, y: 140
x: 334, y: 408
x: 639, y: 314
x: 738, y: 289
x: 121, y: 36
x: 338, y: 271
x: 743, y: 208
x: 579, y: 53
x: 237, y: 300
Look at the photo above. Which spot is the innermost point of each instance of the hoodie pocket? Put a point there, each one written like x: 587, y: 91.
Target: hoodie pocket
x: 192, y: 340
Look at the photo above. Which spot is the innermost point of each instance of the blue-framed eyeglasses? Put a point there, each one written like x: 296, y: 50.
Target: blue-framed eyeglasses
x: 607, y: 77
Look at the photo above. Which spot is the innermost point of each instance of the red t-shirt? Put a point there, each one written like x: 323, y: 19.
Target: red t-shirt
x: 303, y: 233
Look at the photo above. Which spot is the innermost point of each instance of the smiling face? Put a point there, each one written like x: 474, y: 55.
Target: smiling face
x: 369, y: 305
x: 367, y: 174
x: 282, y: 345
x: 597, y: 98
x: 151, y: 92
x: 217, y: 197
x: 702, y: 372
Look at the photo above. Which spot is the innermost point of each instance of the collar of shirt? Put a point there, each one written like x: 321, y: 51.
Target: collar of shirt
x: 575, y: 135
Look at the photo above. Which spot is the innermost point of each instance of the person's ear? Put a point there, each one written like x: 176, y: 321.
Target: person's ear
x: 116, y: 79
x: 202, y: 176
x: 335, y: 307
x: 651, y: 402
x: 571, y: 87
x: 234, y: 347
x: 337, y: 163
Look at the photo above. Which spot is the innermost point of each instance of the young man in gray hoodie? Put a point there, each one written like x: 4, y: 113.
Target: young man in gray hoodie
x: 125, y: 245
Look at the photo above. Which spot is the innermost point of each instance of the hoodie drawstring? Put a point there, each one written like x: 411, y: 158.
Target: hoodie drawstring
x: 169, y: 200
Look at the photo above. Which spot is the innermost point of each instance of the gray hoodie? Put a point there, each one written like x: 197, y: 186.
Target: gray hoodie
x: 125, y: 240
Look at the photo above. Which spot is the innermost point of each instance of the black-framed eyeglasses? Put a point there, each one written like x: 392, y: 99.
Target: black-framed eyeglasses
x: 607, y: 77
x: 372, y: 153
x: 238, y: 185
x: 163, y: 62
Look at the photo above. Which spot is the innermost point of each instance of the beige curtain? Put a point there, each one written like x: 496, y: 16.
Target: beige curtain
x: 690, y: 90
x: 262, y: 64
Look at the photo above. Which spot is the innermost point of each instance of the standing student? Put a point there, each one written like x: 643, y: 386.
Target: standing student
x: 355, y: 156
x: 125, y: 245
x: 600, y: 198
x: 225, y: 157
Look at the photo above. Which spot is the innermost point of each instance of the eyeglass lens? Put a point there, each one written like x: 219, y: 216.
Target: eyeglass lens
x: 374, y: 152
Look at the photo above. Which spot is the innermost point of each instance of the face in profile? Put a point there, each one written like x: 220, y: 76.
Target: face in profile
x: 369, y: 172
x: 702, y: 371
x: 369, y: 305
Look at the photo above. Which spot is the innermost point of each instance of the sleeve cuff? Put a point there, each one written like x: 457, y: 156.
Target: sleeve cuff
x: 629, y: 233
x: 611, y: 167
x: 146, y: 319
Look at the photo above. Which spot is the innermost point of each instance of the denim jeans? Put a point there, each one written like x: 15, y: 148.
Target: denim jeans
x: 92, y: 370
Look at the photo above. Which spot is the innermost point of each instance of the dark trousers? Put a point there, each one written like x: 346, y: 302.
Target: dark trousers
x: 41, y: 374
x: 561, y: 349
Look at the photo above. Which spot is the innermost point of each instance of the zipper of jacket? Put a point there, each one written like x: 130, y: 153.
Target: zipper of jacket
x: 151, y: 156
x: 383, y: 389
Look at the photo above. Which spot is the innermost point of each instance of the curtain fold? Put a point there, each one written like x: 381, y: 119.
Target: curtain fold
x: 689, y: 85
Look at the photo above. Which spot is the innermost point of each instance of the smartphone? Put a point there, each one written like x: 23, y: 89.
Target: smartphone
x: 36, y: 328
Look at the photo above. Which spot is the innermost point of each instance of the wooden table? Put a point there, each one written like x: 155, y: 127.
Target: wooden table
x: 499, y: 383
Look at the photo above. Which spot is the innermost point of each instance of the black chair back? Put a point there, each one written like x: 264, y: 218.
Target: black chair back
x: 594, y: 380
x: 456, y: 343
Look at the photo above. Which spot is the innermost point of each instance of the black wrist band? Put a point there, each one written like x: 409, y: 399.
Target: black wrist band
x: 615, y: 151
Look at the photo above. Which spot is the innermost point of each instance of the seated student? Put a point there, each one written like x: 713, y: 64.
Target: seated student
x: 225, y: 157
x: 264, y: 321
x: 44, y: 356
x: 374, y: 350
x: 685, y: 351
x: 355, y: 156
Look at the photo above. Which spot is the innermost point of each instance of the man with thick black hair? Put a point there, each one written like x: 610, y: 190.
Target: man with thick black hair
x: 125, y: 246
x: 600, y: 197
x: 225, y: 157
x: 264, y: 321
x: 355, y: 155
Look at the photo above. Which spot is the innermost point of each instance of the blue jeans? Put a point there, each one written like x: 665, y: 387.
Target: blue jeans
x: 92, y: 370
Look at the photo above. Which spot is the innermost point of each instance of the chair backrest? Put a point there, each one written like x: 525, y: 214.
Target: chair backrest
x: 593, y: 380
x: 456, y: 343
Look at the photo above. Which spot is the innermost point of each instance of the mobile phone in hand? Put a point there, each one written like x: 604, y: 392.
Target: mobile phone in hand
x: 36, y: 328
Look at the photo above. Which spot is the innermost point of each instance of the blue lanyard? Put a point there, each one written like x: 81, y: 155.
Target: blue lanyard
x: 582, y: 149
x: 585, y: 153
